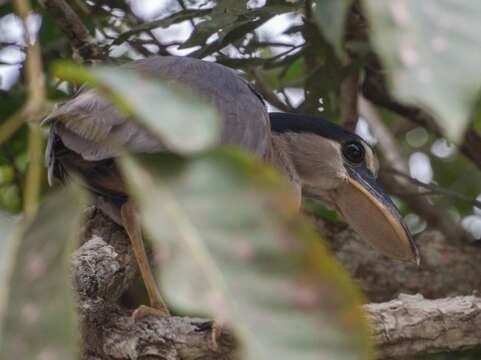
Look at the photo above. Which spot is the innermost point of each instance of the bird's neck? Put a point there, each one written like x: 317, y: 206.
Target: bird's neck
x: 278, y: 156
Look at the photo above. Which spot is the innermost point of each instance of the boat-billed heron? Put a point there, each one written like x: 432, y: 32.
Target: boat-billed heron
x: 320, y: 159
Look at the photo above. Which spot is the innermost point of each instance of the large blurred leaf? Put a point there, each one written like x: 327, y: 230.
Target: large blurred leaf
x: 39, y: 319
x: 430, y: 49
x: 187, y: 124
x: 331, y: 16
x: 236, y: 248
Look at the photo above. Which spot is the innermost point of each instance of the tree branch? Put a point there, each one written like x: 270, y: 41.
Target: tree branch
x: 72, y: 26
x: 104, y: 268
x: 349, y: 103
x: 410, y: 325
x: 374, y: 89
x: 386, y: 140
x: 267, y: 93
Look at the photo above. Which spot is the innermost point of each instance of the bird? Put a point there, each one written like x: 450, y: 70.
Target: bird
x: 319, y: 159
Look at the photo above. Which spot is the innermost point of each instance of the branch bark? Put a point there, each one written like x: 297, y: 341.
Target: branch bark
x: 410, y: 325
x: 72, y: 26
x: 104, y: 268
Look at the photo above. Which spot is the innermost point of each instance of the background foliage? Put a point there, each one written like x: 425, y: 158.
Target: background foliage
x: 303, y: 56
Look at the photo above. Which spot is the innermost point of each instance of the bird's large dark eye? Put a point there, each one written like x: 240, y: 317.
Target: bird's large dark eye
x: 353, y: 151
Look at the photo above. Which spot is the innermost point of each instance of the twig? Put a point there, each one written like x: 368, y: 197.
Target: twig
x: 288, y: 100
x: 72, y: 26
x: 435, y: 216
x: 256, y: 43
x: 171, y: 19
x: 267, y: 93
x: 184, y: 8
x: 230, y: 37
x: 349, y: 106
x: 266, y: 63
x: 435, y: 189
x: 11, y: 63
x: 374, y: 89
x: 387, y: 142
x: 133, y: 21
x: 284, y: 53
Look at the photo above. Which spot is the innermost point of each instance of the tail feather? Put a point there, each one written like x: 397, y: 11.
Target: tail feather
x: 55, y: 170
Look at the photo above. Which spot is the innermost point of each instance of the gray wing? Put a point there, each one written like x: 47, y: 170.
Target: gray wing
x: 88, y: 124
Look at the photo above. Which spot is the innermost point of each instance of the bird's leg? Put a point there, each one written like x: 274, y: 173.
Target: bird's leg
x: 134, y: 231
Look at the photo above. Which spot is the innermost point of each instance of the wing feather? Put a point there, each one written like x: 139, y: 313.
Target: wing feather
x: 90, y: 125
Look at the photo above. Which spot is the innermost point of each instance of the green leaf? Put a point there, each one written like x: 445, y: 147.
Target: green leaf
x: 234, y: 246
x: 232, y: 20
x: 320, y: 211
x: 292, y: 76
x: 222, y: 20
x: 185, y: 123
x: 37, y: 303
x: 430, y: 50
x: 331, y: 17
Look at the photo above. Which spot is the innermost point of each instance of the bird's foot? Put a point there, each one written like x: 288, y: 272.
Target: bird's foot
x: 143, y: 311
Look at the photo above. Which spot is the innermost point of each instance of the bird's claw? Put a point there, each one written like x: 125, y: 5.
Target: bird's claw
x: 143, y: 311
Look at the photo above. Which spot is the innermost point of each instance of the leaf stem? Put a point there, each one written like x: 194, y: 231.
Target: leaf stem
x: 34, y: 172
x: 35, y: 105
